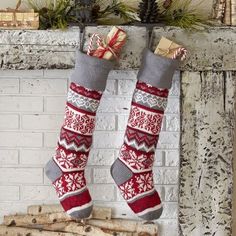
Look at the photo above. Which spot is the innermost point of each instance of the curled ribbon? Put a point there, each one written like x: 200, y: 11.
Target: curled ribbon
x: 110, y: 44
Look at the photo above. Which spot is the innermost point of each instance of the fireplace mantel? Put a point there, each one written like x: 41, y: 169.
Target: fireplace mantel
x: 208, y: 88
x: 211, y: 49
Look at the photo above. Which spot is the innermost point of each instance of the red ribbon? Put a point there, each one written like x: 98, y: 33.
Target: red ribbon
x: 113, y: 45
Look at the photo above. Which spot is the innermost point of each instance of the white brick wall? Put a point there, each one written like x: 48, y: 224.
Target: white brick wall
x: 31, y: 113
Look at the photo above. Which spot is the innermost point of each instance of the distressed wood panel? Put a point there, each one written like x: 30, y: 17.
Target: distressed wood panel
x: 206, y: 165
x: 33, y: 57
x: 40, y: 37
x: 213, y: 48
x: 234, y: 185
x: 38, y: 49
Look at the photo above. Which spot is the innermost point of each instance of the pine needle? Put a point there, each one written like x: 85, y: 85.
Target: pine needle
x: 184, y: 14
x: 117, y: 8
x: 52, y: 16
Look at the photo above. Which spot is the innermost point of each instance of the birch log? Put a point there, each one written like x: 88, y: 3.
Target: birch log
x: 23, y: 220
x: 103, y: 213
x: 227, y: 13
x: 125, y: 225
x: 42, y: 209
x: 206, y: 178
x: 233, y: 12
x: 219, y: 10
x: 21, y: 231
x: 81, y: 229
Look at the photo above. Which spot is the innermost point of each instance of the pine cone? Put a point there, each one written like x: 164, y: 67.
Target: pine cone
x: 167, y: 4
x: 148, y: 11
x: 95, y: 11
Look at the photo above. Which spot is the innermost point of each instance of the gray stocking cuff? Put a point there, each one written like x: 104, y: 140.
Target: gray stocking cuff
x: 157, y: 70
x: 91, y: 72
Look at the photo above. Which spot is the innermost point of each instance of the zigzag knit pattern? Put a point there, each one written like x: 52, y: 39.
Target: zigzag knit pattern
x: 74, y: 141
x: 66, y: 169
x: 132, y: 171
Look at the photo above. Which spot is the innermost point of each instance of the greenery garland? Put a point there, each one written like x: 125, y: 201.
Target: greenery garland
x: 58, y: 14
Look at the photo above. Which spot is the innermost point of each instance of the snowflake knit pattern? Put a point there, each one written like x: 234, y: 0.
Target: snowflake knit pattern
x: 132, y: 171
x: 66, y: 169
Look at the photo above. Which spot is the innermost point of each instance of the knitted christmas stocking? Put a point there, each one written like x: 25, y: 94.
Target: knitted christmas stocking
x: 132, y: 171
x: 66, y: 168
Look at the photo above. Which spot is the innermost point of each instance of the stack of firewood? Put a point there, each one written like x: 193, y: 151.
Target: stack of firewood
x: 50, y: 220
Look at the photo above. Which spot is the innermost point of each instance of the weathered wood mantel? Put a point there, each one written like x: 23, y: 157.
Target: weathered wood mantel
x: 208, y: 87
x: 210, y: 49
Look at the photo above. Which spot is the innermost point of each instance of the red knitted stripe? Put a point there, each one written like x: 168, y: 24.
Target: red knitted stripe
x: 141, y: 139
x: 87, y: 145
x: 146, y: 108
x: 153, y: 90
x: 80, y: 110
x: 139, y: 152
x: 139, y: 131
x: 72, y: 136
x: 85, y: 91
x: 146, y: 202
x: 76, y: 200
x: 68, y: 151
x: 76, y: 134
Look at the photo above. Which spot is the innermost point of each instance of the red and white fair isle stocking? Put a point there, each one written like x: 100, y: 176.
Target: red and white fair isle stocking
x: 132, y: 171
x: 66, y: 168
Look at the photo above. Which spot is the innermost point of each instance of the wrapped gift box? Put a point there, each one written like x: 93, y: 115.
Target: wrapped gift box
x: 166, y: 47
x: 112, y: 44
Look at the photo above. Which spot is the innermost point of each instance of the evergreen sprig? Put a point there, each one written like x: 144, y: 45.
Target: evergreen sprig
x: 116, y: 10
x: 58, y: 14
x: 53, y: 14
x: 184, y: 14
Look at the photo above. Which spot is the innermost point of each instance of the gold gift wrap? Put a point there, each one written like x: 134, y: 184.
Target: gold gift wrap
x: 166, y: 47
